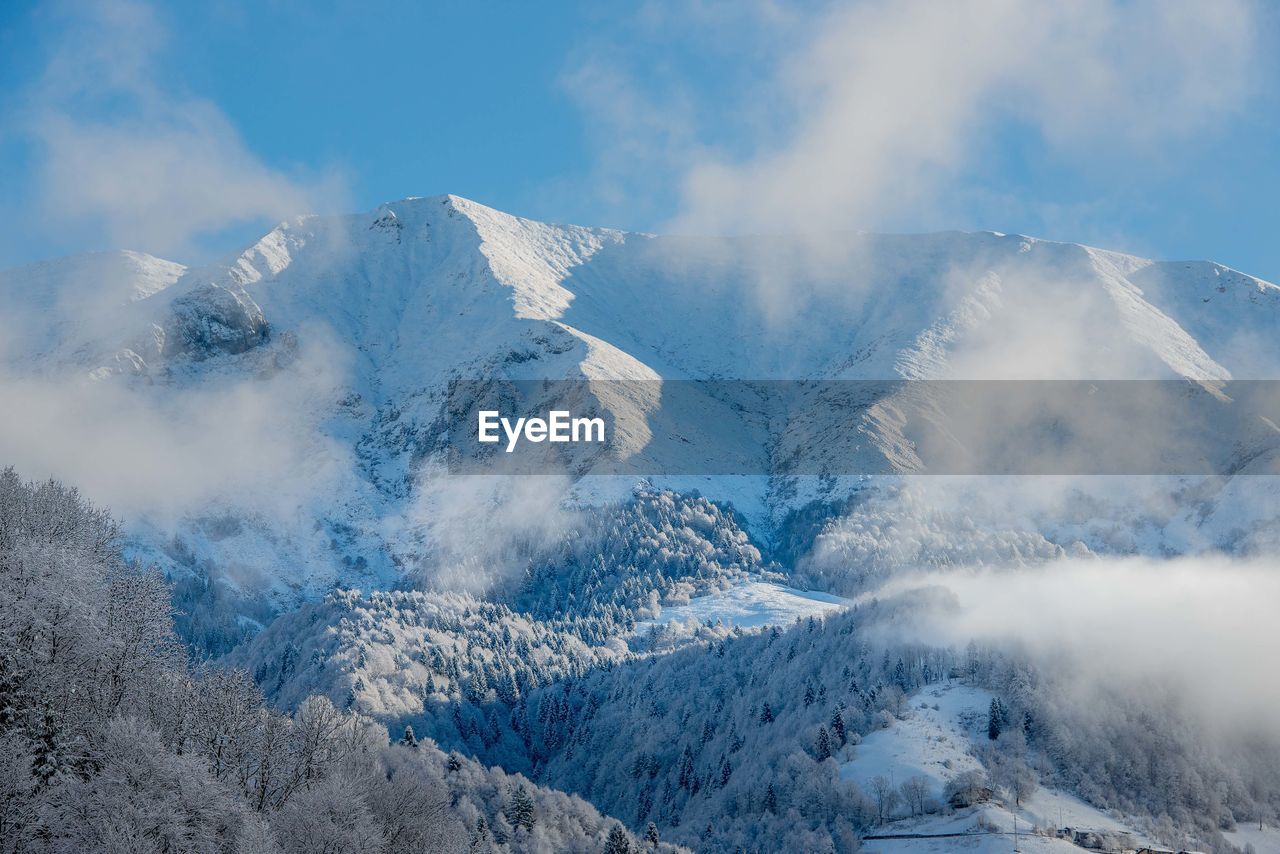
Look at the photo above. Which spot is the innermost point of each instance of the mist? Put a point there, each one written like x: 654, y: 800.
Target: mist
x: 128, y: 158
x: 1202, y: 627
x: 252, y: 442
x: 479, y: 531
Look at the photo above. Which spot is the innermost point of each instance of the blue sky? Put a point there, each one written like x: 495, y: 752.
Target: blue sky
x: 185, y: 129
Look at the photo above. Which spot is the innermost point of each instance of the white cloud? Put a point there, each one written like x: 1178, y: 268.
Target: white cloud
x: 1203, y: 626
x: 129, y: 158
x: 869, y: 114
x: 480, y: 531
x: 248, y: 443
x: 814, y: 119
x: 893, y: 101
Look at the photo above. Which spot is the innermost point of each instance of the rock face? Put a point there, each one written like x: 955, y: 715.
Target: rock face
x: 368, y: 317
x: 213, y: 321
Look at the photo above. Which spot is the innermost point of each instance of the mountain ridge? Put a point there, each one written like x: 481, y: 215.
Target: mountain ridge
x: 372, y: 314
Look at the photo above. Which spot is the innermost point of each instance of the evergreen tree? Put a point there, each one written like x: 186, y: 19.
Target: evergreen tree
x: 994, y: 722
x: 409, y: 739
x: 822, y: 748
x: 638, y: 765
x: 618, y: 841
x: 651, y: 835
x: 645, y: 805
x: 686, y: 778
x: 520, y: 810
x: 900, y: 676
x: 838, y: 729
x: 766, y: 714
x: 481, y: 836
x: 47, y: 761
x: 478, y: 687
x: 770, y: 800
x: 10, y: 701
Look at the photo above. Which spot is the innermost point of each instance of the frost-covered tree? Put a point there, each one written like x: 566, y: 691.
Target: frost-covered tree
x: 619, y: 842
x: 838, y: 728
x: 110, y: 740
x: 915, y: 791
x: 651, y: 835
x: 822, y: 746
x: 885, y: 795
x: 770, y: 799
x: 520, y: 811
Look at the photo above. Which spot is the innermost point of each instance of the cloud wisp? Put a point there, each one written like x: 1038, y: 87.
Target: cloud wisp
x: 248, y: 443
x: 129, y: 158
x: 896, y: 100
x: 865, y: 115
x: 862, y: 114
x: 1200, y: 626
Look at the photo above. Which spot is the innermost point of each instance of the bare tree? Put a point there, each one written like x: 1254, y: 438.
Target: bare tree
x: 885, y: 796
x: 914, y: 792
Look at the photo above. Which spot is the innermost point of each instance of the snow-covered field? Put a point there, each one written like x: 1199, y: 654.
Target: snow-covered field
x: 749, y: 605
x: 934, y: 742
x: 1265, y: 841
x: 991, y: 843
x: 931, y: 742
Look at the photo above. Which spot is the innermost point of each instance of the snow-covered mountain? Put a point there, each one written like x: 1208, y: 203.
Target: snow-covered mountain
x: 372, y: 315
x: 431, y: 288
x: 725, y: 656
x: 74, y: 308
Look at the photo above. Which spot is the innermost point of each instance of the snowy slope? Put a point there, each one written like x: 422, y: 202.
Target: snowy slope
x: 1265, y: 840
x: 386, y: 307
x: 48, y: 311
x: 934, y: 742
x: 749, y: 605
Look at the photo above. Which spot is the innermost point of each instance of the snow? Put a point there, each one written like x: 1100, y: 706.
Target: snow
x: 51, y: 310
x: 749, y: 605
x: 1054, y: 808
x: 1265, y: 841
x: 390, y: 305
x: 992, y: 843
x: 934, y: 743
x: 398, y: 301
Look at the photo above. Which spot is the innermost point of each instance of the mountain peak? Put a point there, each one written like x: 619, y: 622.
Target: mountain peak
x: 450, y: 201
x: 390, y: 305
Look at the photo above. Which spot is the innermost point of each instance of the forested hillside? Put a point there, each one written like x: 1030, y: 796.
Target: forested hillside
x: 111, y: 741
x: 769, y: 639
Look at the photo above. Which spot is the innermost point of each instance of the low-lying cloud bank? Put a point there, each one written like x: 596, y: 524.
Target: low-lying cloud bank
x: 1202, y: 628
x: 250, y: 441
